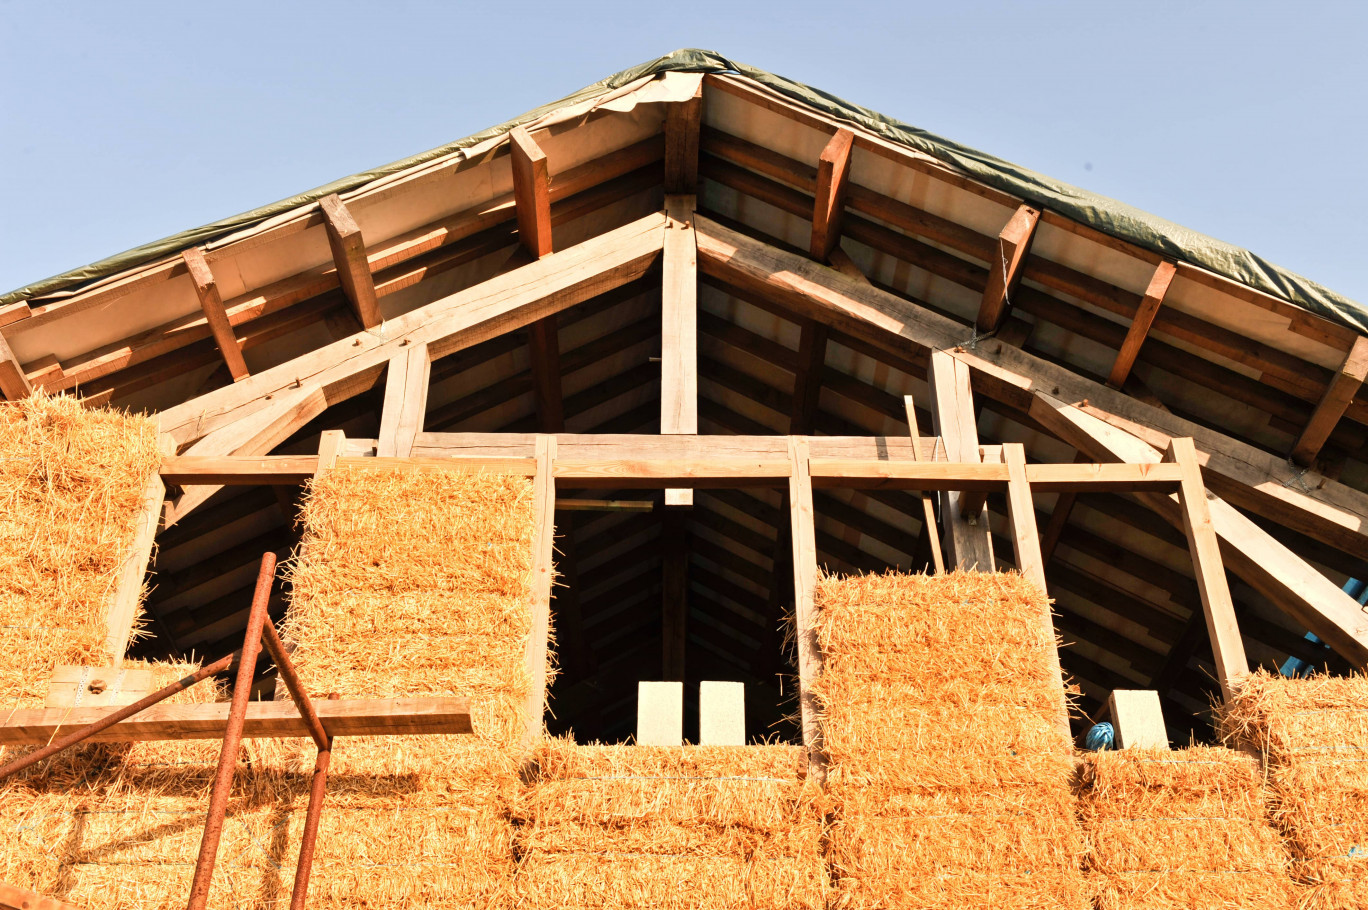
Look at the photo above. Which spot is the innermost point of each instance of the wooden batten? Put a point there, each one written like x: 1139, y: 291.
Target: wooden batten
x: 803, y: 530
x: 1140, y: 324
x: 405, y: 405
x: 349, y: 255
x: 1344, y: 385
x: 833, y: 172
x: 679, y: 330
x: 968, y: 541
x: 929, y: 525
x: 682, y: 121
x: 214, y: 313
x: 1004, y: 270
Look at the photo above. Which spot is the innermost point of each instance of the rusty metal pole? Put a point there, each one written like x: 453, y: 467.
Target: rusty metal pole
x: 232, y: 737
x: 309, y: 840
x: 297, y: 692
x: 114, y: 717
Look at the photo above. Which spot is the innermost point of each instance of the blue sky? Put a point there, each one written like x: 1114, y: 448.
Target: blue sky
x: 125, y: 122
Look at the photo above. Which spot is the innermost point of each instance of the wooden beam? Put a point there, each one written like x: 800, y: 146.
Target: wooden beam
x: 531, y: 189
x: 807, y: 378
x: 929, y: 525
x: 968, y: 542
x: 331, y: 445
x: 12, y: 898
x: 543, y: 348
x: 349, y: 255
x: 1254, y: 555
x: 538, y: 649
x: 804, y: 535
x: 1226, y: 645
x: 211, y: 303
x: 1140, y: 324
x: 1029, y: 562
x: 13, y: 383
x: 405, y: 405
x: 682, y: 120
x: 1338, y: 394
x: 679, y: 330
x: 121, y: 612
x: 1004, y: 269
x: 1246, y: 476
x: 674, y: 613
x: 833, y: 171
x: 265, y: 720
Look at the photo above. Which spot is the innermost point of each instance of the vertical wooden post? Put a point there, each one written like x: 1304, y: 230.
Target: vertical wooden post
x: 833, y: 167
x: 928, y: 509
x: 679, y: 330
x: 211, y: 303
x: 405, y: 405
x: 1004, y: 271
x: 543, y: 574
x: 349, y: 255
x: 804, y: 533
x: 968, y: 543
x: 1226, y: 645
x: 682, y: 122
x: 1026, y: 548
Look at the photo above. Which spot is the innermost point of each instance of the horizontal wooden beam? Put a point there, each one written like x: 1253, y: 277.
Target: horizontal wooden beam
x: 265, y: 720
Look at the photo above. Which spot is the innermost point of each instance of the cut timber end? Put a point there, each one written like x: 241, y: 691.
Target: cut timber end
x: 1138, y: 719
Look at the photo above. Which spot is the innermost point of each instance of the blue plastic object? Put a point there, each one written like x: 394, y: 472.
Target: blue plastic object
x: 1100, y: 738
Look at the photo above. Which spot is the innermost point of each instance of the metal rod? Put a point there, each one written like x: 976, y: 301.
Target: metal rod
x: 317, y: 788
x: 232, y: 737
x: 296, y: 687
x: 114, y: 717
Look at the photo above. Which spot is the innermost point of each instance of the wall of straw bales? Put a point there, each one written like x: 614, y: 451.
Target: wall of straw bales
x: 667, y: 827
x: 1177, y: 829
x: 1313, y: 734
x: 949, y: 782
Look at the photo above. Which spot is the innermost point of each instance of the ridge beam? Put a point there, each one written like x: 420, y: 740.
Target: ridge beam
x: 1338, y: 394
x: 349, y: 255
x: 211, y: 302
x: 1004, y: 274
x: 679, y: 331
x: 1141, y: 322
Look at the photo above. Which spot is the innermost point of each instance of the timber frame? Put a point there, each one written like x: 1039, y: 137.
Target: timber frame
x: 744, y: 340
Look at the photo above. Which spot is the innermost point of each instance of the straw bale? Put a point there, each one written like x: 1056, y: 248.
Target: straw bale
x: 1313, y: 733
x: 1181, y: 829
x: 72, y: 481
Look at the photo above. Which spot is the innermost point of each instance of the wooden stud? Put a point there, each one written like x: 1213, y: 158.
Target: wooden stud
x: 1029, y: 562
x: 682, y: 121
x: 1226, y: 645
x: 833, y: 169
x: 968, y: 543
x: 679, y: 330
x: 349, y: 256
x: 1004, y: 270
x: 807, y: 377
x: 1140, y: 324
x: 674, y: 614
x: 1338, y: 394
x: 15, y: 898
x: 13, y: 383
x: 214, y: 314
x: 804, y: 536
x: 543, y: 574
x: 929, y: 525
x: 405, y: 405
x: 543, y: 347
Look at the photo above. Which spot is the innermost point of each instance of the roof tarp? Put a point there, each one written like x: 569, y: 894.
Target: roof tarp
x: 1100, y: 212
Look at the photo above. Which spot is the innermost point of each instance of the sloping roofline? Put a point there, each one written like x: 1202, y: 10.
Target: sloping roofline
x: 1102, y: 213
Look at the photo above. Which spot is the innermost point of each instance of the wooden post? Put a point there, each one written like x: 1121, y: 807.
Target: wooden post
x: 211, y: 302
x: 1004, y: 272
x: 1140, y: 325
x: 543, y: 574
x: 1343, y: 386
x: 968, y: 543
x: 928, y: 509
x: 682, y: 121
x: 1226, y: 645
x: 804, y: 533
x: 405, y: 405
x: 349, y: 255
x: 807, y: 378
x: 679, y: 331
x: 833, y: 169
x: 674, y: 615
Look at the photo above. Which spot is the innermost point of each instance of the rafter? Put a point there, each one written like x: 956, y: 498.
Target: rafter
x: 1140, y: 323
x: 833, y: 171
x: 1338, y: 395
x: 349, y: 256
x: 214, y: 314
x: 1005, y: 267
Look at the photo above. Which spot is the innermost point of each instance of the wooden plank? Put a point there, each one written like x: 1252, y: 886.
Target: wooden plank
x: 121, y: 611
x: 807, y: 379
x: 803, y: 531
x: 13, y: 383
x: 1226, y: 645
x: 13, y: 898
x: 1029, y: 562
x: 1054, y: 528
x: 968, y: 542
x: 1004, y: 269
x: 331, y: 445
x: 495, y: 307
x: 1140, y: 324
x: 1138, y: 718
x: 1252, y: 553
x: 1246, y: 476
x: 674, y: 600
x: 929, y: 524
x: 405, y: 405
x: 679, y: 330
x: 71, y: 686
x: 591, y: 446
x: 531, y: 189
x: 238, y: 470
x: 667, y: 473
x: 349, y: 255
x: 833, y: 172
x: 538, y: 650
x: 1103, y: 478
x: 1338, y: 395
x: 682, y: 121
x: 211, y: 303
x: 265, y: 720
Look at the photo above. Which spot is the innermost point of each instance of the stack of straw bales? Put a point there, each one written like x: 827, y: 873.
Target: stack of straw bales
x: 666, y: 827
x: 417, y: 583
x: 1314, y: 737
x: 950, y: 781
x: 1181, y: 829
